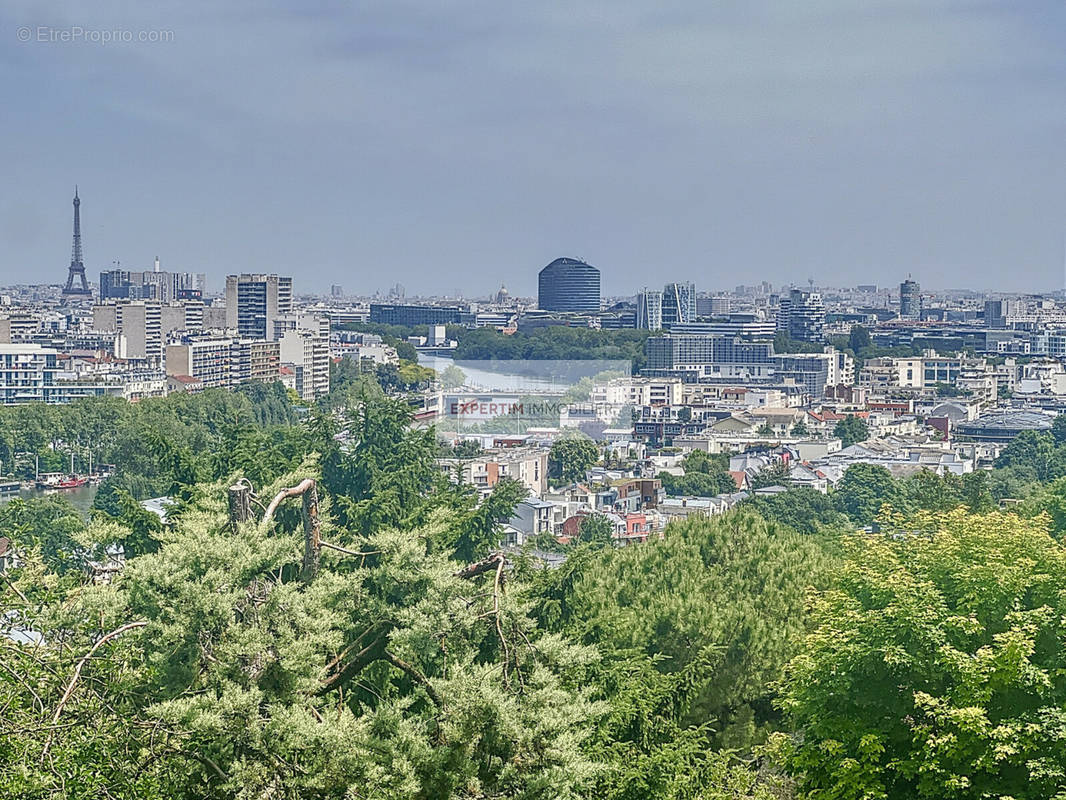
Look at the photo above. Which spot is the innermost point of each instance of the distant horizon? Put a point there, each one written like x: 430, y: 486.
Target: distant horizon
x: 216, y: 283
x: 463, y: 147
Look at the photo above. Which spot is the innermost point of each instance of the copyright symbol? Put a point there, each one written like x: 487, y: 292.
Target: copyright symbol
x: 24, y: 34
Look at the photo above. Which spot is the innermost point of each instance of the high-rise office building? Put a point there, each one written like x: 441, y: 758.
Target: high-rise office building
x: 1001, y: 313
x: 254, y: 301
x: 650, y: 310
x: 802, y: 316
x: 910, y: 300
x: 567, y: 284
x: 679, y: 303
x: 120, y: 284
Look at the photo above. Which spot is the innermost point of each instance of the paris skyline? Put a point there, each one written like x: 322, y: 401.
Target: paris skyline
x: 457, y: 150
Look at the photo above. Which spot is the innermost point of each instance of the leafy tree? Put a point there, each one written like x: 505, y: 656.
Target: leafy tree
x: 859, y: 339
x: 802, y: 508
x: 467, y: 448
x: 975, y: 493
x: 452, y: 377
x: 783, y: 343
x: 800, y: 428
x: 382, y: 472
x: 863, y: 490
x: 596, y: 530
x: 698, y: 484
x: 851, y: 430
x: 49, y: 525
x: 702, y: 461
x: 138, y: 528
x: 774, y: 474
x: 475, y: 529
x: 935, y: 668
x: 693, y: 628
x: 1012, y: 482
x: 931, y: 492
x: 219, y: 670
x: 1035, y: 452
x: 571, y: 456
x: 1058, y: 429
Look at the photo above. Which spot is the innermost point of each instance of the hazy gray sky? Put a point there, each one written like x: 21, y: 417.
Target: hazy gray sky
x: 457, y: 145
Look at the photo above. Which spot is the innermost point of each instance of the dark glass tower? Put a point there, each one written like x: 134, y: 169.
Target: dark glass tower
x: 567, y: 284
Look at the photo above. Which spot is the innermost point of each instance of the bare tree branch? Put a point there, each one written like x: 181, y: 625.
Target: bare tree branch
x: 77, y: 673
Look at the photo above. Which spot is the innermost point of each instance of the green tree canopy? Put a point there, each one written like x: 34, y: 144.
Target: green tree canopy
x: 851, y: 430
x: 936, y: 665
x: 570, y: 456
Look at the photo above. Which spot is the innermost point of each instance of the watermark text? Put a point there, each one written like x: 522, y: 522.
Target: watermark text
x: 76, y: 34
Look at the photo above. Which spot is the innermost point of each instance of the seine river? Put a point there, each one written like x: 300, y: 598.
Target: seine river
x: 81, y: 498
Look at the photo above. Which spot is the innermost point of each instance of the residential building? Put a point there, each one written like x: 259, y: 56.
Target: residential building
x: 254, y: 301
x: 527, y: 465
x: 802, y: 316
x: 307, y: 353
x: 30, y: 373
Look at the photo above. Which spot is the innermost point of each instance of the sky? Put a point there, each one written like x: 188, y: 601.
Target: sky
x: 457, y: 145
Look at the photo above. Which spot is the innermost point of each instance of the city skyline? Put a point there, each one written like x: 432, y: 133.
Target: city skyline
x: 847, y: 145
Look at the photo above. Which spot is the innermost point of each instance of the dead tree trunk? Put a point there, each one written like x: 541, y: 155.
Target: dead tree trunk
x: 240, y: 504
x: 312, y: 534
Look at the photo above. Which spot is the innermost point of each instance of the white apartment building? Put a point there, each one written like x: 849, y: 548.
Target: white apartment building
x: 307, y: 353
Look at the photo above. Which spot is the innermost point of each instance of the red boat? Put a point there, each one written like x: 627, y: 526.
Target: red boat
x: 60, y: 481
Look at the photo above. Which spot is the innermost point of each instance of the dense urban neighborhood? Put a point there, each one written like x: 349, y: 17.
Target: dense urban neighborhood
x: 601, y: 400
x: 679, y: 545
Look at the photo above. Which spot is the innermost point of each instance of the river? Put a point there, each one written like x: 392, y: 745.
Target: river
x: 81, y: 498
x: 529, y: 376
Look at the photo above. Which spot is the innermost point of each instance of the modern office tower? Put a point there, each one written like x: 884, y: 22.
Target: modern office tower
x: 650, y: 310
x: 712, y: 306
x: 307, y: 352
x: 114, y: 284
x: 910, y: 300
x: 1000, y: 313
x: 76, y: 286
x: 724, y: 359
x: 336, y: 291
x: 567, y: 284
x: 679, y: 303
x: 400, y: 314
x: 802, y: 315
x: 120, y: 284
x: 254, y: 301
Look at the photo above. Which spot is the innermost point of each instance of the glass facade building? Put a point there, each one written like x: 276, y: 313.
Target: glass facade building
x: 567, y: 284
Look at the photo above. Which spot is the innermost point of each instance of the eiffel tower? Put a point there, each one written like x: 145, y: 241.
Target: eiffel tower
x: 77, y: 268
